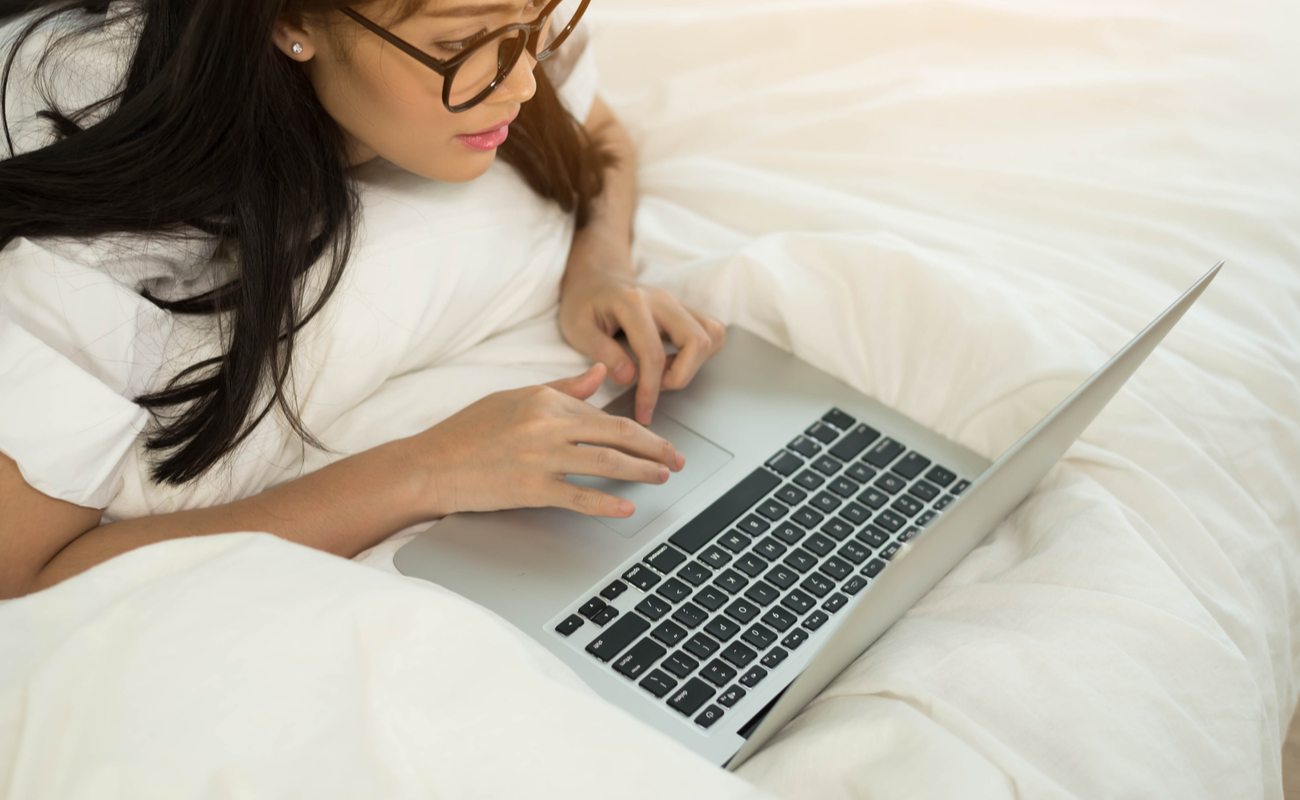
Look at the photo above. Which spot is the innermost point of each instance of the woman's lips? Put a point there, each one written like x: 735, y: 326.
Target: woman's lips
x: 488, y: 140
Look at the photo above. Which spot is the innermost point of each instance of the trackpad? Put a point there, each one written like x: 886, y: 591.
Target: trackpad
x: 703, y: 458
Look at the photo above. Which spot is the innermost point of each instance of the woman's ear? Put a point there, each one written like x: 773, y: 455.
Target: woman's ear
x: 293, y: 40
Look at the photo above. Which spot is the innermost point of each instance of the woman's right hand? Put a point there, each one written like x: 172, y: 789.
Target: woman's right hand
x: 512, y: 449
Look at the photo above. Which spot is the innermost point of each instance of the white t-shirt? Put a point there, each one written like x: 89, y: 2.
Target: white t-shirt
x: 436, y: 268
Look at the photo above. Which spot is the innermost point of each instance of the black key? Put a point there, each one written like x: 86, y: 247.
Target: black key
x: 827, y: 465
x: 751, y: 565
x: 784, y: 577
x: 800, y: 559
x: 925, y: 490
x: 797, y: 601
x: 690, y: 615
x: 804, y: 446
x: 962, y: 485
x: 759, y: 635
x: 907, y: 506
x: 815, y: 620
x: 908, y: 533
x: 873, y: 536
x: 695, y: 573
x: 826, y: 502
x: 731, y: 581
x: 817, y: 584
x: 617, y: 636
x: 653, y: 607
x: 873, y: 497
x: 770, y: 548
x: 808, y: 517
x: 819, y: 544
x: 708, y: 716
x: 641, y: 578
x: 701, y: 646
x: 669, y: 633
x: 926, y: 518
x: 837, y: 529
x: 690, y: 697
x: 715, y: 556
x: 809, y: 479
x: 739, y: 654
x: 891, y: 483
x: 788, y: 532
x: 711, y: 598
x: 911, y: 465
x: 797, y: 637
x: 855, y: 442
x: 639, y: 658
x: 774, y: 656
x: 860, y: 472
x: 605, y: 616
x: 762, y: 593
x: 940, y: 475
x: 665, y: 558
x: 658, y: 683
x: 890, y: 550
x: 779, y: 618
x: 837, y: 568
x: 717, y: 672
x: 839, y: 419
x: 834, y: 603
x: 873, y: 568
x: 773, y: 510
x: 752, y: 677
x: 843, y: 487
x: 613, y: 590
x: 791, y: 494
x: 570, y: 624
x: 890, y: 521
x: 741, y: 611
x: 855, y: 584
x: 885, y: 451
x: 852, y: 551
x: 944, y: 502
x: 722, y: 628
x: 592, y: 607
x: 784, y: 463
x: 680, y: 664
x: 673, y: 590
x: 732, y: 696
x: 723, y: 511
x: 822, y: 433
x: 735, y: 541
x: 855, y: 513
x: 753, y: 525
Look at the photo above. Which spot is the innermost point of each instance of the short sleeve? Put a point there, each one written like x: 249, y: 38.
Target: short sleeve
x: 76, y: 344
x: 573, y: 67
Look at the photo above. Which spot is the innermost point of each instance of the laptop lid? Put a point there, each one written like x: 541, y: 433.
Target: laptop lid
x: 924, y: 561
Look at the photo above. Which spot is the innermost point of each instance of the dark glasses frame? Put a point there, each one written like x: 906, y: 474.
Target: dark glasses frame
x: 448, y: 68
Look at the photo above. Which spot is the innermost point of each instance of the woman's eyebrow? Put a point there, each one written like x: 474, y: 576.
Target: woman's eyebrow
x: 470, y: 11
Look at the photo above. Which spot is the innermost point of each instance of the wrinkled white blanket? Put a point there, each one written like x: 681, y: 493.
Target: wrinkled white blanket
x: 961, y: 208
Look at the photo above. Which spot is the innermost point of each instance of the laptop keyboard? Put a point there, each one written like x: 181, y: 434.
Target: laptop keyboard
x: 731, y: 593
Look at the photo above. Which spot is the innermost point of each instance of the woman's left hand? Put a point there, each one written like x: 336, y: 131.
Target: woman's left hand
x: 595, y: 305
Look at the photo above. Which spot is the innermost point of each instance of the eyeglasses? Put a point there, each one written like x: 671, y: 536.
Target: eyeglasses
x: 480, y: 63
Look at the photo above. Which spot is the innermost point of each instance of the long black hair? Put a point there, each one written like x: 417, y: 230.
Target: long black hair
x: 212, y: 130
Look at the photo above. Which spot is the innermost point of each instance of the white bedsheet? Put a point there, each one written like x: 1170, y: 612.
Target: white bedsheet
x: 961, y: 208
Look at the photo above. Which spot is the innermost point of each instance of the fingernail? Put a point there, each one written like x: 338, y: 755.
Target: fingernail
x: 663, y: 474
x: 681, y: 460
x: 626, y: 508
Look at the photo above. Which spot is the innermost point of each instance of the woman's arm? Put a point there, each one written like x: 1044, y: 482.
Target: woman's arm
x: 342, y: 508
x: 606, y: 242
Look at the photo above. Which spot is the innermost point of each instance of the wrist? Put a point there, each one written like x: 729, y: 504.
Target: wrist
x: 421, y: 486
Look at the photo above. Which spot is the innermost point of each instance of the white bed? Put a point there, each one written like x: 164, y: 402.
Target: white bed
x: 960, y: 208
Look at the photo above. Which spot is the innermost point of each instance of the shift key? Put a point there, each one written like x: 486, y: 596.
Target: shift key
x: 617, y: 636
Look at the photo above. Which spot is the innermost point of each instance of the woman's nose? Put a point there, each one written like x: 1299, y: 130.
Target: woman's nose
x: 520, y: 85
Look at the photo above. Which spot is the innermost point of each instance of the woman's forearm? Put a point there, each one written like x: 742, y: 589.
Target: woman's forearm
x: 343, y: 508
x: 606, y: 241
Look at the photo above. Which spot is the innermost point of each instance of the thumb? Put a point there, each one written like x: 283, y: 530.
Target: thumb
x: 581, y: 386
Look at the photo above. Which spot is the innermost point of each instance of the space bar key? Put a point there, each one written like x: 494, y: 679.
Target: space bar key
x: 723, y: 511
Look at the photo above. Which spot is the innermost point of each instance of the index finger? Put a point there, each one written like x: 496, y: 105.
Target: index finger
x: 643, y: 334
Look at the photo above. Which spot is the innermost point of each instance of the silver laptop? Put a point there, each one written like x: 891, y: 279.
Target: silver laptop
x: 807, y: 520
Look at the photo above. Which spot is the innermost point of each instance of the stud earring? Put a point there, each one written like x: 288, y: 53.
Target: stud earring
x: 296, y: 47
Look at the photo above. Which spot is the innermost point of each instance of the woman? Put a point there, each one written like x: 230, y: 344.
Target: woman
x: 167, y: 257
